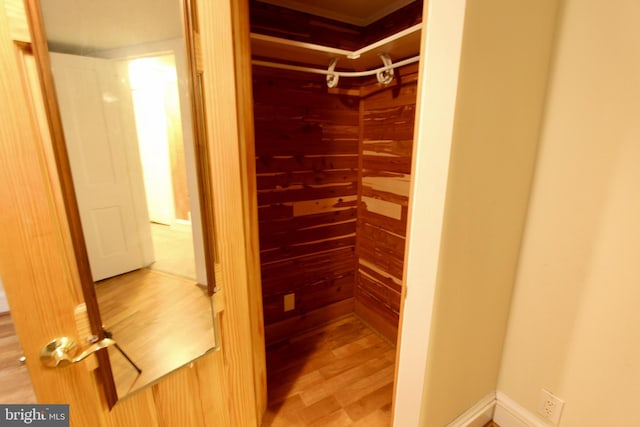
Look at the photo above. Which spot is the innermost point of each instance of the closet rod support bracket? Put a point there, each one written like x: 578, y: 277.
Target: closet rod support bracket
x: 386, y: 75
x: 332, y: 79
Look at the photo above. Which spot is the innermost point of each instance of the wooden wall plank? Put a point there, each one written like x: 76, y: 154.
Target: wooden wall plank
x: 396, y: 226
x: 387, y: 143
x: 269, y: 227
x: 306, y: 193
x: 310, y: 207
x: 386, y: 279
x: 303, y: 141
x: 398, y: 199
x: 295, y: 251
x: 398, y: 164
x: 287, y: 238
x: 306, y: 159
x: 287, y: 23
x: 267, y: 164
x: 288, y: 179
x: 279, y: 276
x: 284, y: 329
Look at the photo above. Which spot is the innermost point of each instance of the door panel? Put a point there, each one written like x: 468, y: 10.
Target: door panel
x: 96, y: 143
x: 42, y: 282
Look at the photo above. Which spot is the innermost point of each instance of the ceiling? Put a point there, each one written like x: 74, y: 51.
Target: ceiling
x: 76, y: 26
x: 356, y: 12
x: 81, y: 26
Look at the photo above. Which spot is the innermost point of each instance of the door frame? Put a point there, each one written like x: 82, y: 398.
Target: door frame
x: 43, y: 276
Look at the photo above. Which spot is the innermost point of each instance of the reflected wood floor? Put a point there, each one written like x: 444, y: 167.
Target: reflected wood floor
x: 159, y: 320
x: 340, y: 374
x: 15, y: 384
x: 173, y: 249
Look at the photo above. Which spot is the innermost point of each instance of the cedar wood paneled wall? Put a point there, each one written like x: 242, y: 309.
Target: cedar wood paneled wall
x: 385, y: 154
x: 333, y: 172
x: 317, y: 155
x: 307, y: 179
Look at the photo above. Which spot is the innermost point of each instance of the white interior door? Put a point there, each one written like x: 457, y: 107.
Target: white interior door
x: 96, y: 142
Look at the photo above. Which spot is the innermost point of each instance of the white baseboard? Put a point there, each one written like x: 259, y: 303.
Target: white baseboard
x: 478, y: 415
x: 508, y: 413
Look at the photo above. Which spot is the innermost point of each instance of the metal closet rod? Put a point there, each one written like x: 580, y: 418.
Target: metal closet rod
x: 336, y: 73
x: 384, y: 73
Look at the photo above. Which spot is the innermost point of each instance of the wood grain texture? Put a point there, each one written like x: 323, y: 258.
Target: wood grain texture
x: 293, y: 25
x: 338, y: 374
x: 34, y: 261
x: 43, y: 93
x: 246, y: 135
x: 154, y: 317
x: 41, y: 278
x: 16, y: 21
x: 306, y: 163
x: 218, y: 23
x: 387, y: 134
x: 15, y: 384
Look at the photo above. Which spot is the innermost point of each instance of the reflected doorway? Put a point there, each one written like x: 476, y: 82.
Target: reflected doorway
x: 156, y: 105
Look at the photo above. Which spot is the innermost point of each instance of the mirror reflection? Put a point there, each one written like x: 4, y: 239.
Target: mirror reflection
x: 121, y: 78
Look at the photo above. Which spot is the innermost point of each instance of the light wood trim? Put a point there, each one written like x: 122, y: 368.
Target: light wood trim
x: 34, y: 261
x: 59, y: 149
x: 16, y: 21
x: 230, y: 206
x: 201, y: 146
x: 244, y: 95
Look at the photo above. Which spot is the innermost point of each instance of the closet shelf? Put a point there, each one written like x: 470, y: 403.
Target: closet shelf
x: 282, y: 53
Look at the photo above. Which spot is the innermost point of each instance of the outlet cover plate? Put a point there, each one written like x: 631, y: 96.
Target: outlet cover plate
x: 289, y: 302
x: 550, y: 407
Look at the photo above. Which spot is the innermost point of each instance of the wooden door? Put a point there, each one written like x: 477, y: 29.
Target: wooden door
x: 41, y: 276
x: 96, y: 145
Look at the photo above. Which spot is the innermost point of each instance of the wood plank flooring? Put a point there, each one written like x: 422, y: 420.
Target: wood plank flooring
x: 159, y: 320
x: 15, y: 384
x: 340, y: 374
x: 173, y: 249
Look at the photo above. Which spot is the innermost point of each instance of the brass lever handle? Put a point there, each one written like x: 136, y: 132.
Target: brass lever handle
x: 59, y: 352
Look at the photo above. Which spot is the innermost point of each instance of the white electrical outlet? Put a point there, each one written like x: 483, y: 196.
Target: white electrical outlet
x: 550, y: 407
x: 289, y: 302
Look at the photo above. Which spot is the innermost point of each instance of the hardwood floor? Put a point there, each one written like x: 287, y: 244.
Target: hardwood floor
x: 340, y: 374
x: 15, y: 384
x: 173, y: 249
x: 159, y: 320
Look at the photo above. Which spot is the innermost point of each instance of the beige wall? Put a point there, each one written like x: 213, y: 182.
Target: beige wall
x: 574, y: 322
x: 500, y: 96
x: 498, y: 107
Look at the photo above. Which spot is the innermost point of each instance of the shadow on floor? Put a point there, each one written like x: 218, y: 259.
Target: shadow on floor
x: 338, y: 374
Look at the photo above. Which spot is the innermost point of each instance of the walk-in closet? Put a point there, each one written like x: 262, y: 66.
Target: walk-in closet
x: 334, y: 105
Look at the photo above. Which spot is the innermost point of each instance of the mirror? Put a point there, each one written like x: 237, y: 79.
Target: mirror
x: 122, y: 74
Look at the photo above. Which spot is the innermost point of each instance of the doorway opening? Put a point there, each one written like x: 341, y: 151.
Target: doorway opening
x: 333, y: 173
x: 156, y: 105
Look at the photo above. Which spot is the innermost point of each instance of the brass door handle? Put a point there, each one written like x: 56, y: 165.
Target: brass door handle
x: 59, y: 352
